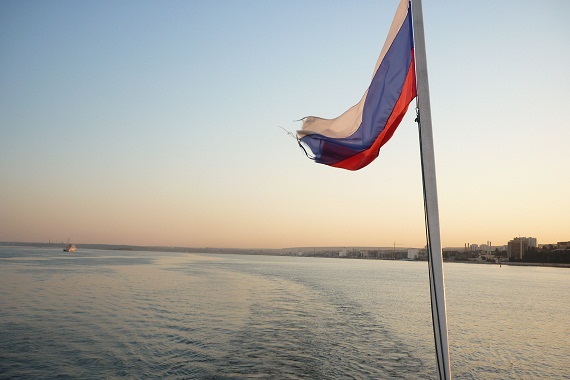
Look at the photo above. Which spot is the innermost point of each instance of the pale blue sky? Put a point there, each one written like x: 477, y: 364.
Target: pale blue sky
x: 155, y: 122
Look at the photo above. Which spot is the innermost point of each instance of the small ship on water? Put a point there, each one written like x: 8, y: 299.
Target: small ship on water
x: 70, y: 248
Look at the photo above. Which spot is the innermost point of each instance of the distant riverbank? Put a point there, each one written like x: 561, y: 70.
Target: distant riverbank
x: 524, y: 264
x: 323, y: 252
x: 512, y: 263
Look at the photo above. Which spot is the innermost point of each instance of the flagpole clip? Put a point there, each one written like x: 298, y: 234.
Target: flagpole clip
x: 417, y: 120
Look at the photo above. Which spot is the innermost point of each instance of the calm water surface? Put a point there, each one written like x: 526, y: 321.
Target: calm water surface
x: 112, y: 314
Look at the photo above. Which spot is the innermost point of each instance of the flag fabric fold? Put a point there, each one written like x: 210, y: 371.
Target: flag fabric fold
x: 353, y: 140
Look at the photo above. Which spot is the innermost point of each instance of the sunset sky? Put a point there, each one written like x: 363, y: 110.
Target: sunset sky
x: 157, y: 123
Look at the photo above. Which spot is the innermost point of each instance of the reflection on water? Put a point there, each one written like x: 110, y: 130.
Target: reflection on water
x: 104, y: 314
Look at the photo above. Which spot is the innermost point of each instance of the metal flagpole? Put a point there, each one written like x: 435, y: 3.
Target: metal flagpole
x: 435, y: 258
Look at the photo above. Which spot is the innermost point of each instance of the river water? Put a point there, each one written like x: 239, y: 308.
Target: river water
x: 133, y: 315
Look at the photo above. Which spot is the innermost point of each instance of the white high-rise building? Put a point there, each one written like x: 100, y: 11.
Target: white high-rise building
x: 413, y: 253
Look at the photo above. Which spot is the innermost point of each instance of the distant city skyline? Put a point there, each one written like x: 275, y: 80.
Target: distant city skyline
x: 156, y: 123
x: 467, y: 246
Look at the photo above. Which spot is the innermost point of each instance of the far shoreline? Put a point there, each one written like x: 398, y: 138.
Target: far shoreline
x: 523, y: 264
x: 258, y: 251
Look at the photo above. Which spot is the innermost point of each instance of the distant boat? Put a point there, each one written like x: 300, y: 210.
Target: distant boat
x: 70, y: 248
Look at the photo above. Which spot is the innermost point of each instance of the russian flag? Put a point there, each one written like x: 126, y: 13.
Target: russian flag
x: 353, y: 140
